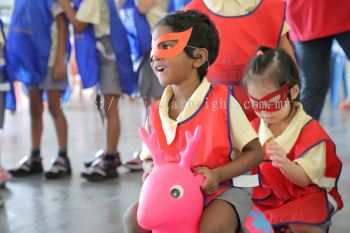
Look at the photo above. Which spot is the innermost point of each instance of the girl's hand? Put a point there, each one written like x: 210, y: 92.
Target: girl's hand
x: 278, y: 155
x: 59, y: 71
x: 211, y: 180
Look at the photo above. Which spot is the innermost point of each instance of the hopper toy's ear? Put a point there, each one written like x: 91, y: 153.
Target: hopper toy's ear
x: 153, y: 146
x: 191, y: 147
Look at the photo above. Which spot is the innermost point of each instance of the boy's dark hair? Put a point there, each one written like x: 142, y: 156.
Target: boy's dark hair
x: 276, y: 64
x: 204, y: 34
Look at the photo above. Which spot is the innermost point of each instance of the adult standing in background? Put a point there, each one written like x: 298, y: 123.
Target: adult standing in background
x: 313, y: 26
x: 243, y: 25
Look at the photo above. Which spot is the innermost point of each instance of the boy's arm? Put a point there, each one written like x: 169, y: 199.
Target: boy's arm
x: 59, y: 69
x: 78, y: 25
x: 287, y: 46
x: 145, y: 5
x: 248, y: 152
x: 251, y: 156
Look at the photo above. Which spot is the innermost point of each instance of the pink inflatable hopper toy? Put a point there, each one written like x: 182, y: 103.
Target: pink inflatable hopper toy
x: 171, y: 200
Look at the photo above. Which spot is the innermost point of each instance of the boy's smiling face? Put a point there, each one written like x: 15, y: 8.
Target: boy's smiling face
x: 178, y: 65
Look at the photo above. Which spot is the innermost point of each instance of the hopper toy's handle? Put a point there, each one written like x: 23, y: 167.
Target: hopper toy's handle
x: 192, y: 142
x: 153, y: 146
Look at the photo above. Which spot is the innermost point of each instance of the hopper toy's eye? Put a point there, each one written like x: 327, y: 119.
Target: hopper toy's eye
x: 176, y: 191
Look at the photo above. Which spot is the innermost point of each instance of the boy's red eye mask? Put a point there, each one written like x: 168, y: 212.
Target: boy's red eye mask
x: 181, y: 39
x: 263, y: 105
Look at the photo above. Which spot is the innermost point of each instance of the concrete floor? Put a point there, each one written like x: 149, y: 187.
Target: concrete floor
x: 72, y: 205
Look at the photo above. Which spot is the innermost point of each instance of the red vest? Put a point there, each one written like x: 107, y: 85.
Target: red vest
x: 213, y: 116
x: 284, y: 202
x: 313, y: 19
x: 239, y: 38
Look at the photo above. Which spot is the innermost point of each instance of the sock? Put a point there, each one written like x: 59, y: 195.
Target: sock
x: 35, y: 153
x: 110, y: 157
x: 62, y: 153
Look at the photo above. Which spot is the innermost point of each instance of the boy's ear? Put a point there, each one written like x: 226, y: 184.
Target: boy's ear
x: 294, y: 91
x: 200, y: 57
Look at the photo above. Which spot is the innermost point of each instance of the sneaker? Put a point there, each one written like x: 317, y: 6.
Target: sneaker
x: 4, y: 176
x: 99, y: 155
x: 134, y: 164
x: 27, y: 166
x: 59, y: 168
x: 101, y: 169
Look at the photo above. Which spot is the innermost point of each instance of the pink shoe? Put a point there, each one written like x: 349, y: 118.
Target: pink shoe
x: 4, y: 176
x: 134, y: 164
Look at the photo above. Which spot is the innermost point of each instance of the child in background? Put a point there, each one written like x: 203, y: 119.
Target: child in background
x: 243, y: 25
x: 54, y: 83
x: 184, y: 44
x: 301, y: 168
x: 149, y: 86
x: 113, y: 70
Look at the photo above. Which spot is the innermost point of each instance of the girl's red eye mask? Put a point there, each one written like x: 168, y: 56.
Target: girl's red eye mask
x: 264, y: 104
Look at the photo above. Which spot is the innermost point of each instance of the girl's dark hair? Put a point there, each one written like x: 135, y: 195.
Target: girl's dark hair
x: 204, y: 34
x: 275, y: 65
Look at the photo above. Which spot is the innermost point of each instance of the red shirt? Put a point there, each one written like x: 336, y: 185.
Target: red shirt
x: 313, y: 19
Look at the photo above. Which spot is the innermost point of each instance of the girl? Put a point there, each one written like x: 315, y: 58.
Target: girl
x: 184, y: 44
x: 301, y: 168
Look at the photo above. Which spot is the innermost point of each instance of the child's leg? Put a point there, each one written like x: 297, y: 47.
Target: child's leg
x: 61, y: 165
x: 105, y: 167
x: 31, y: 165
x: 36, y: 117
x: 219, y: 217
x: 54, y: 99
x: 302, y: 228
x: 130, y: 220
x: 111, y: 105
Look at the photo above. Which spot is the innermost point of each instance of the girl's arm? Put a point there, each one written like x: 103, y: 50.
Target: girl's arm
x: 291, y: 170
x: 295, y: 174
x: 59, y: 69
x: 71, y: 15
